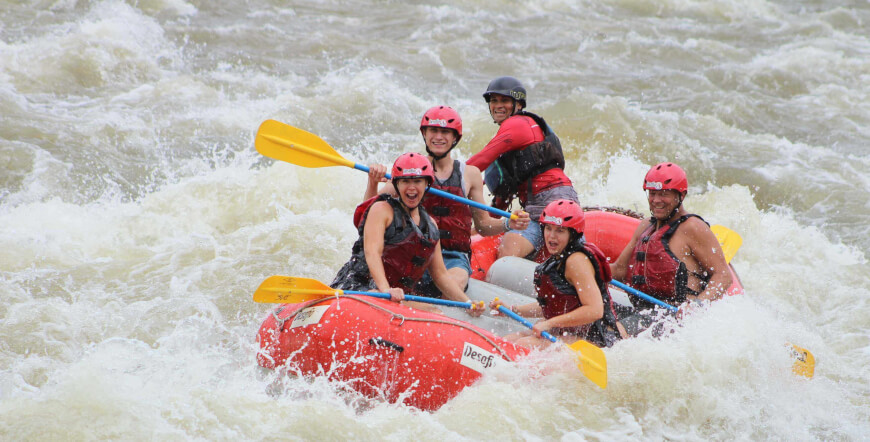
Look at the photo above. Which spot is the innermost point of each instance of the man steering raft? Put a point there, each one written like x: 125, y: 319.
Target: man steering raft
x: 673, y: 256
x: 398, y: 241
x: 524, y: 160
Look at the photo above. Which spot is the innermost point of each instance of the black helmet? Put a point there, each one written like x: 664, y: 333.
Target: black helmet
x: 508, y: 86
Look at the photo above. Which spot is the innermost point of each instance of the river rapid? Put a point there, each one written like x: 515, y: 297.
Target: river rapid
x: 136, y: 218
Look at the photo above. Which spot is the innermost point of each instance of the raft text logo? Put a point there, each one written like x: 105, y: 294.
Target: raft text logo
x: 308, y: 316
x: 410, y: 172
x: 438, y: 122
x: 477, y: 358
x: 654, y: 185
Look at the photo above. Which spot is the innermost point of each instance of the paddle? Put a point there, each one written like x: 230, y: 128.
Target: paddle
x: 295, y: 146
x: 804, y: 364
x: 642, y: 295
x: 290, y: 289
x: 593, y: 364
x: 729, y: 240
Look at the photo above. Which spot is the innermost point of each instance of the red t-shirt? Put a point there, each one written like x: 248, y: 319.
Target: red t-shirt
x: 516, y: 133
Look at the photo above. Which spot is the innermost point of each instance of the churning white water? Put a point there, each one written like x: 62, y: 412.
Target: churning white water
x: 136, y: 218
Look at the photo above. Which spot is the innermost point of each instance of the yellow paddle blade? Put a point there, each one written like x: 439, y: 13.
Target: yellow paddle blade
x: 805, y: 362
x: 729, y: 240
x: 288, y: 289
x: 593, y: 364
x: 296, y: 146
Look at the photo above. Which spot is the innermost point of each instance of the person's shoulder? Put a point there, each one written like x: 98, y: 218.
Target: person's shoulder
x: 577, y: 257
x: 696, y: 224
x: 518, y: 121
x: 579, y: 262
x: 471, y: 169
x: 695, y: 228
x: 473, y: 175
x: 520, y: 129
x: 641, y: 226
x: 381, y: 206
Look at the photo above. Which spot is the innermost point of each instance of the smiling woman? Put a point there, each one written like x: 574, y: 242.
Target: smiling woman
x: 399, y: 241
x: 570, y: 286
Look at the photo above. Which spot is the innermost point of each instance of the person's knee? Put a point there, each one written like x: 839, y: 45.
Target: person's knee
x: 515, y: 245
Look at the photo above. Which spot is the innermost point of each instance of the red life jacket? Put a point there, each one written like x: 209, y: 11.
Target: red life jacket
x: 453, y: 218
x: 557, y: 296
x: 655, y: 270
x: 407, y: 252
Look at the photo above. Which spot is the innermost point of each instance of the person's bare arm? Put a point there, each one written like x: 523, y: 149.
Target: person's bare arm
x: 530, y: 310
x: 483, y: 223
x: 619, y: 269
x: 380, y: 216
x: 377, y: 173
x: 581, y: 274
x: 708, y: 252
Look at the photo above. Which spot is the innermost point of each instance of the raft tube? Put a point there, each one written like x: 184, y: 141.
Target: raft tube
x: 381, y: 349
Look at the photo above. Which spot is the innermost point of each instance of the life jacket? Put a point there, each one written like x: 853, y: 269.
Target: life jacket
x: 557, y: 296
x: 655, y: 270
x: 408, y: 250
x: 453, y: 218
x: 505, y: 175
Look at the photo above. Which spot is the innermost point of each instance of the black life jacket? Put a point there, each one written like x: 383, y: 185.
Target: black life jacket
x: 505, y: 175
x: 557, y: 296
x: 407, y: 251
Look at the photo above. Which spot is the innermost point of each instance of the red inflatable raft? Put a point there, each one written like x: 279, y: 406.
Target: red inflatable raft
x: 381, y: 349
x: 399, y: 354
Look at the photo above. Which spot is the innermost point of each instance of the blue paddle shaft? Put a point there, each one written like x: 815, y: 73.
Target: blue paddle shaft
x: 642, y: 295
x: 437, y: 301
x: 451, y: 196
x: 506, y: 311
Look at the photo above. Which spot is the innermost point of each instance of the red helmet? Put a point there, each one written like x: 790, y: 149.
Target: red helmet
x: 666, y: 176
x: 412, y: 165
x: 442, y: 116
x: 564, y: 213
